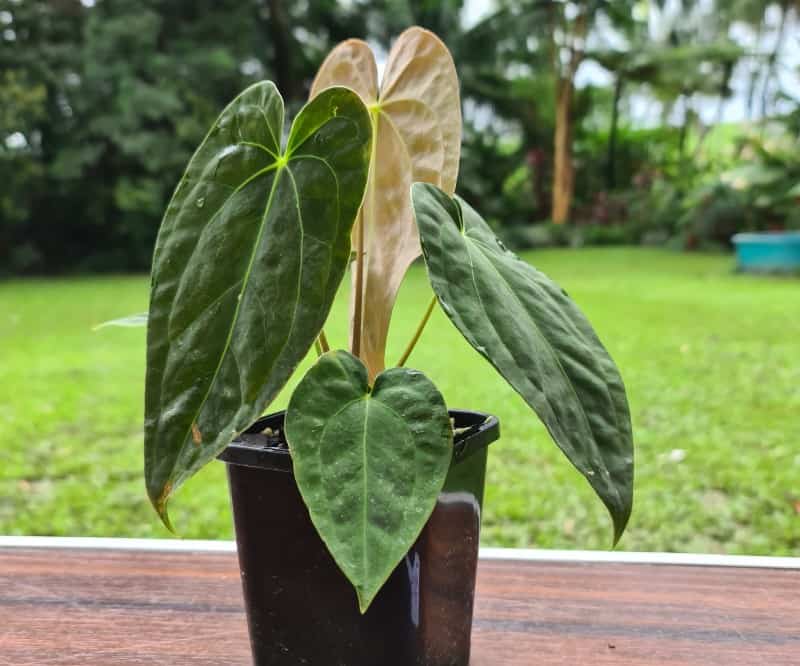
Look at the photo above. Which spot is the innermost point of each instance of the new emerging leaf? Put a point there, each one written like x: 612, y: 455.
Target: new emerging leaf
x: 416, y: 119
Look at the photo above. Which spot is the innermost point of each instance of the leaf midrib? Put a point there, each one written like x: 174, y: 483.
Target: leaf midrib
x: 365, y: 508
x: 535, y: 327
x: 407, y: 435
x: 477, y: 244
x: 235, y: 318
x: 245, y: 280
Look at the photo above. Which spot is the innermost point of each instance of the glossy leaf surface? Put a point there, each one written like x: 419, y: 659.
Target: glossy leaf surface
x: 416, y: 117
x: 536, y: 337
x: 369, y: 463
x: 250, y: 254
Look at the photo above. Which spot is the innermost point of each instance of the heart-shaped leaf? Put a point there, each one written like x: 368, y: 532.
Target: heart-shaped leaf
x: 369, y: 463
x: 537, y: 338
x: 252, y: 249
x: 416, y: 117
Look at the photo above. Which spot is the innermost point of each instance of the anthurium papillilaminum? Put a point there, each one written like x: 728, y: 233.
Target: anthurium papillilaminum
x: 251, y: 252
x: 369, y: 461
x: 535, y: 336
x: 252, y: 249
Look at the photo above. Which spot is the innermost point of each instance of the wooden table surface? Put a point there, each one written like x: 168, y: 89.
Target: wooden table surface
x: 87, y: 606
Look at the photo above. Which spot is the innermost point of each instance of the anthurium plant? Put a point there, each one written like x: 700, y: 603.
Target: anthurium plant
x: 252, y: 249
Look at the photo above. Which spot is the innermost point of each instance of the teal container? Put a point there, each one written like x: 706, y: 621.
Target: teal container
x: 777, y: 252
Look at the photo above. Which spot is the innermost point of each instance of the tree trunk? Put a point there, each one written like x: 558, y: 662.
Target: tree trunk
x: 755, y: 70
x: 684, y: 134
x: 611, y: 167
x: 280, y: 35
x: 773, y: 59
x: 563, y: 173
x: 563, y: 170
x: 537, y: 160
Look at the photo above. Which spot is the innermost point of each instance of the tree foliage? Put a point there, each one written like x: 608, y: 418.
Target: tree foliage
x: 103, y: 105
x: 102, y: 102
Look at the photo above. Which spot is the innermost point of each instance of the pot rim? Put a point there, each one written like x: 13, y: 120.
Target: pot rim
x: 481, y: 430
x: 767, y: 238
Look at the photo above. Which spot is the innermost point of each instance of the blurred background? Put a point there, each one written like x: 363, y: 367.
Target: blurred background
x: 617, y: 145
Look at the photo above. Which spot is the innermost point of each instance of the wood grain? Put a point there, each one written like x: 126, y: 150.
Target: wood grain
x: 93, y: 607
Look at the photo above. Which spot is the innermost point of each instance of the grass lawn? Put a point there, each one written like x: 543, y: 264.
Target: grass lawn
x: 711, y: 361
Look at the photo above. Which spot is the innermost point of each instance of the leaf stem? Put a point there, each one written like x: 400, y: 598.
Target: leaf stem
x: 361, y: 221
x: 417, y: 333
x: 323, y: 341
x: 318, y: 347
x: 359, y: 288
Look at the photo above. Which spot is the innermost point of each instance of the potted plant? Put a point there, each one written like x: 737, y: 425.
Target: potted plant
x: 366, y: 477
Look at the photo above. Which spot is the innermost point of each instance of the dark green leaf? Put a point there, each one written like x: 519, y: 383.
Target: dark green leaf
x: 536, y: 337
x: 369, y: 463
x: 249, y: 256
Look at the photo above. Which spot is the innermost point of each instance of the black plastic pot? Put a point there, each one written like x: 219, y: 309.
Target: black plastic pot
x: 300, y: 607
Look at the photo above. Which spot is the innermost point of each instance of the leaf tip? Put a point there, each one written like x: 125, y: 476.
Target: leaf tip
x: 160, y: 505
x: 419, y: 189
x: 131, y: 321
x: 620, y: 523
x: 364, y: 600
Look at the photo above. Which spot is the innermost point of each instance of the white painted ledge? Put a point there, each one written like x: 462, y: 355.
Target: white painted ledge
x: 621, y: 557
x: 515, y: 554
x: 113, y: 543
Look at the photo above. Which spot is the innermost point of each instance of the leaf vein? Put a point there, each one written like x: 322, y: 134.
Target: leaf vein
x: 271, y: 131
x: 235, y: 317
x: 260, y: 146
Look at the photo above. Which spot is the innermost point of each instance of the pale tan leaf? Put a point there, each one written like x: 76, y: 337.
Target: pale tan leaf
x: 417, y: 137
x: 350, y: 63
x: 420, y: 68
x: 420, y: 130
x: 385, y: 202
